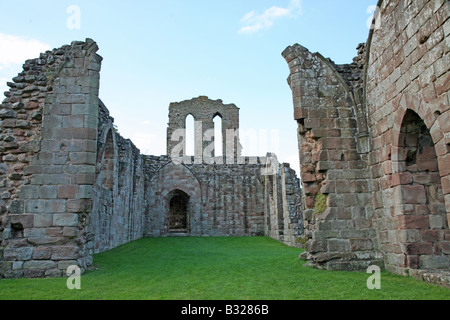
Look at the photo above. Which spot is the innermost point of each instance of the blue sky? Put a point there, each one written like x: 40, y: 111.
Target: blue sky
x: 157, y: 52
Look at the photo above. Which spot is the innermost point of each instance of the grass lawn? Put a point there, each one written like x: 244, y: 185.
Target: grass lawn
x: 194, y: 268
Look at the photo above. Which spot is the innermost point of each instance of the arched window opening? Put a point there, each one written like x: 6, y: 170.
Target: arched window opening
x: 218, y: 136
x: 189, y: 147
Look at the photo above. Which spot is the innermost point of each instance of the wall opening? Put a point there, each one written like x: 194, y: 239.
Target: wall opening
x: 218, y: 135
x: 16, y: 230
x: 189, y: 146
x: 423, y: 214
x: 178, y: 212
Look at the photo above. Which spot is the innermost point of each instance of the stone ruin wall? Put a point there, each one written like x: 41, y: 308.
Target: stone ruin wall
x: 333, y: 160
x: 72, y: 186
x: 282, y: 206
x: 118, y: 209
x: 229, y: 200
x: 48, y: 147
x: 373, y: 140
x: 230, y: 193
x: 409, y: 123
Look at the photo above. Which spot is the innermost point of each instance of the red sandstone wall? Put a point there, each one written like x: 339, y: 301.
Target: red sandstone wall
x: 407, y: 69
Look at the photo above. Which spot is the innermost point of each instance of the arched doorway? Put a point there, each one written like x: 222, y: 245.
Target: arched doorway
x: 179, y: 212
x: 422, y: 213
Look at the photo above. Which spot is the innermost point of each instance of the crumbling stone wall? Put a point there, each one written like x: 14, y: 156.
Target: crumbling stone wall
x: 282, y: 200
x: 226, y: 200
x: 119, y: 192
x: 204, y: 110
x: 373, y: 143
x: 72, y: 186
x: 333, y: 160
x: 49, y: 123
x: 227, y: 195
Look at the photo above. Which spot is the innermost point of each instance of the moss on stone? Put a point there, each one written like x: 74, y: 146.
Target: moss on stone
x: 320, y: 203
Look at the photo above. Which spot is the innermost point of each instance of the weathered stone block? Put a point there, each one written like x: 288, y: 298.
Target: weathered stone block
x: 48, y: 192
x: 22, y: 221
x: 34, y: 232
x: 42, y: 253
x: 361, y: 244
x: 16, y: 207
x: 401, y: 178
x: 65, y: 220
x: 434, y: 261
x: 430, y: 235
x: 338, y: 245
x: 29, y: 192
x: 83, y: 179
x: 67, y: 191
x: 55, y: 206
x: 39, y: 265
x: 79, y: 205
x: 413, y: 194
x: 314, y: 246
x: 53, y: 273
x: 64, y: 253
x: 43, y: 220
x: 436, y: 222
x: 63, y: 265
x: 414, y: 222
x: 85, y: 192
x: 18, y: 254
x: 70, y: 232
x: 419, y: 248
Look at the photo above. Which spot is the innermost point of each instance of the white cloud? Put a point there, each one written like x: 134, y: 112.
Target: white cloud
x: 254, y: 22
x: 15, y: 49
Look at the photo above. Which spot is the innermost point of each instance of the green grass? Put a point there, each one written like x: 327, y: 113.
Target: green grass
x: 194, y: 268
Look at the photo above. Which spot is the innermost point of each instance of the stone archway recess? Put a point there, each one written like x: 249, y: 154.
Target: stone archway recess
x: 419, y: 199
x: 178, y: 211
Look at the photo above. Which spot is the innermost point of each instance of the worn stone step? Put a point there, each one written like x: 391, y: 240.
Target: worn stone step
x: 178, y: 234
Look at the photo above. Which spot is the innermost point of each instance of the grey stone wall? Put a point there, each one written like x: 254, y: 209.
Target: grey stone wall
x: 282, y: 207
x: 225, y: 200
x: 118, y: 209
x: 50, y: 126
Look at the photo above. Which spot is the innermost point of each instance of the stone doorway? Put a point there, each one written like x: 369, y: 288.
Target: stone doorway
x: 178, y: 212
